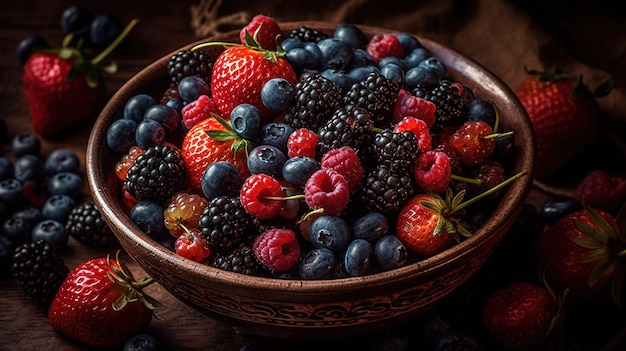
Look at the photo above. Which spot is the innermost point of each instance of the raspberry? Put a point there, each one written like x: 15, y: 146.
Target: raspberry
x: 419, y: 128
x: 198, y: 110
x: 432, y: 171
x: 383, y: 45
x: 490, y: 173
x: 345, y: 161
x: 192, y: 245
x: 127, y: 160
x: 264, y: 30
x: 302, y: 142
x: 470, y: 144
x: 259, y: 195
x: 602, y: 191
x: 328, y: 190
x: 408, y: 104
x: 277, y: 249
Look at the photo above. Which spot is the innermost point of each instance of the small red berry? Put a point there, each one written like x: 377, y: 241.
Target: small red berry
x: 198, y: 110
x: 432, y: 171
x: 419, y: 128
x: 265, y: 31
x: 277, y: 249
x: 470, y: 144
x: 383, y: 45
x: 490, y: 173
x: 302, y: 142
x: 345, y: 161
x: 259, y: 196
x: 408, y: 104
x: 193, y: 245
x: 328, y: 190
x: 602, y: 191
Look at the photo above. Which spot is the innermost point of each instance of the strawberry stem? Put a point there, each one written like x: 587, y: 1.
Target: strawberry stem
x: 488, y: 192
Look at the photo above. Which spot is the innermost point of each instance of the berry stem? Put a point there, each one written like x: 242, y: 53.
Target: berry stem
x: 497, y: 135
x: 466, y: 180
x: 489, y: 192
x: 96, y: 60
x: 284, y: 198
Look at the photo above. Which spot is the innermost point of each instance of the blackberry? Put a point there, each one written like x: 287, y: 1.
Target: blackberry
x: 316, y: 99
x: 157, y: 174
x: 187, y: 63
x: 449, y: 103
x: 305, y: 34
x: 39, y: 270
x: 86, y: 224
x: 385, y: 190
x: 351, y: 125
x: 377, y: 94
x: 240, y: 259
x: 398, y: 150
x: 224, y: 223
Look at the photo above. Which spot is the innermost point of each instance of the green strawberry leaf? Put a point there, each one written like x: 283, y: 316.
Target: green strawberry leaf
x: 589, y: 243
x: 222, y: 135
x: 596, y: 255
x: 598, y: 271
x: 604, y: 88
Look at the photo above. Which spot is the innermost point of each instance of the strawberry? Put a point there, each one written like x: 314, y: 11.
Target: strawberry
x: 101, y: 305
x: 519, y: 316
x: 428, y: 224
x: 240, y: 72
x: 583, y: 252
x: 207, y: 142
x: 61, y: 86
x: 564, y: 116
x: 601, y: 190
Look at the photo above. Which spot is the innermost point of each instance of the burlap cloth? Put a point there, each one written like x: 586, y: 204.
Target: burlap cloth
x: 587, y: 38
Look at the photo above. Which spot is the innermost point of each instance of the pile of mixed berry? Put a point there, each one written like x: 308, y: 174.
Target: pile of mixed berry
x: 310, y: 155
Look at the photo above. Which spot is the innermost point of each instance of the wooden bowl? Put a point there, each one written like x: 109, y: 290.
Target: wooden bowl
x: 320, y: 309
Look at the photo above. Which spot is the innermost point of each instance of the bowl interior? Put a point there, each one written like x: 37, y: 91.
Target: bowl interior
x: 154, y: 79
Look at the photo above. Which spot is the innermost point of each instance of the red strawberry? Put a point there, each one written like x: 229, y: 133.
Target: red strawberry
x: 199, y: 150
x: 264, y: 30
x: 602, y: 191
x: 564, y: 116
x: 518, y: 316
x: 60, y: 87
x: 240, y: 72
x: 581, y: 252
x: 101, y: 305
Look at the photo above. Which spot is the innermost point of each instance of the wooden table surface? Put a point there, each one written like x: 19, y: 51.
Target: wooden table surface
x: 164, y: 26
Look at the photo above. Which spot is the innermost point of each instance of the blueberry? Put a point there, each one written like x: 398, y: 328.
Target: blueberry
x: 408, y: 42
x: 62, y: 160
x: 177, y: 104
x: 436, y: 64
x: 104, y: 29
x: 394, y: 60
x: 302, y: 58
x: 504, y: 148
x: 120, y: 135
x: 370, y: 227
x: 389, y: 252
x: 415, y: 56
x: 330, y: 232
x: 17, y: 230
x: 149, y: 133
x: 340, y: 78
x: 6, y: 257
x: 266, y: 159
x: 246, y: 121
x: 393, y: 72
x: 362, y: 58
x: 28, y: 167
x: 290, y: 43
x: 148, y: 216
x: 167, y: 116
x: 467, y: 95
x: 336, y: 54
x: 221, y: 178
x: 30, y: 214
x: 51, y: 231
x: 317, y: 264
x: 27, y: 46
x: 481, y: 110
x: 11, y: 192
x: 135, y: 108
x: 350, y: 34
x: 66, y: 183
x: 552, y: 211
x: 357, y: 257
x: 25, y: 144
x: 276, y: 134
x: 58, y: 207
x: 297, y: 170
x: 6, y: 168
x: 142, y: 342
x: 191, y: 87
x: 360, y: 73
x: 76, y: 20
x: 277, y: 94
x: 424, y: 77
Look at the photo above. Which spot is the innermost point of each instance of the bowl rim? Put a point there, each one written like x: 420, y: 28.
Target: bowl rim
x: 513, y: 194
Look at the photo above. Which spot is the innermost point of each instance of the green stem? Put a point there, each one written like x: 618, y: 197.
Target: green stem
x: 214, y: 43
x: 497, y: 135
x: 96, y: 60
x: 475, y: 181
x: 284, y: 198
x: 489, y: 192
